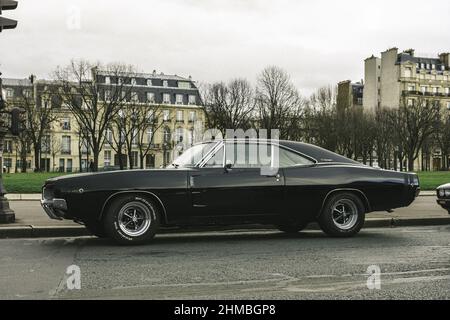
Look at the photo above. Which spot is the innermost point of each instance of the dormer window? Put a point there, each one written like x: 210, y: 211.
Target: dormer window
x: 107, y: 80
x: 133, y: 81
x: 149, y: 82
x: 165, y: 83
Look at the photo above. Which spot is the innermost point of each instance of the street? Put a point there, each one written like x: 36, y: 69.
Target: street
x: 414, y: 264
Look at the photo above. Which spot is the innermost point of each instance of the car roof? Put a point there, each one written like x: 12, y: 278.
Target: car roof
x: 321, y: 155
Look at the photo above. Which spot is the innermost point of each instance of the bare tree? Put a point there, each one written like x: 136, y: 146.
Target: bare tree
x: 442, y: 136
x: 147, y: 123
x: 276, y: 99
x: 229, y: 106
x: 39, y: 116
x: 93, y: 103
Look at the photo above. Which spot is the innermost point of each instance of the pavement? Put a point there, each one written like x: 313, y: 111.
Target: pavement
x: 413, y: 263
x: 31, y: 221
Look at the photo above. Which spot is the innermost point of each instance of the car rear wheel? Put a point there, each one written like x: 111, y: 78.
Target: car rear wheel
x: 132, y: 219
x: 343, y: 215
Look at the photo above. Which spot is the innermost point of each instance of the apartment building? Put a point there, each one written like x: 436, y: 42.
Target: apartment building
x: 350, y: 95
x: 181, y: 121
x: 402, y: 77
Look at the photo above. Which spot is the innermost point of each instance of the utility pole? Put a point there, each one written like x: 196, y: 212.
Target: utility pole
x: 6, y: 214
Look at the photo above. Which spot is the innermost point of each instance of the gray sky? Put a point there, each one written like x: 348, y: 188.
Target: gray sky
x: 318, y: 42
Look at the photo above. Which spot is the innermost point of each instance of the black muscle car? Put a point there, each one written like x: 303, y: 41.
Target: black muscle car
x: 443, y: 194
x: 229, y: 182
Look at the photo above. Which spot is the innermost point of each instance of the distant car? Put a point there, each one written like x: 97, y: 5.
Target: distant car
x: 215, y: 183
x: 443, y: 194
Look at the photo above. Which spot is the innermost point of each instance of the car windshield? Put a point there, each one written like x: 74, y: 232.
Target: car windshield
x: 192, y: 155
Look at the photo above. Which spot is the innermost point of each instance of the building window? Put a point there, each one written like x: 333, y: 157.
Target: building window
x: 27, y: 93
x: 408, y: 72
x: 184, y: 85
x: 166, y: 115
x: 435, y: 89
x: 7, y: 162
x: 423, y: 89
x: 7, y: 146
x: 166, y: 135
x: 133, y: 81
x: 433, y: 66
x: 428, y: 66
x: 65, y: 124
x: 165, y: 83
x: 66, y: 145
x: 108, y: 95
x: 447, y: 91
x: 192, y: 116
x: 411, y: 88
x: 179, y: 99
x: 84, y: 147
x: 150, y: 136
x: 108, y: 136
x: 166, y: 98
x: 410, y: 102
x: 45, y: 144
x: 107, y: 158
x: 134, y: 96
x: 179, y: 135
x: 192, y: 99
x: 150, y: 97
x: 191, y: 137
x: 107, y: 80
x: 120, y: 81
x: 422, y: 65
x: 149, y: 82
x: 150, y: 161
x: 134, y: 158
x: 9, y: 93
x: 180, y: 116
x: 448, y: 105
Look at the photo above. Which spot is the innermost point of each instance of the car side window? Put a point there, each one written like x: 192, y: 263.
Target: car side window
x: 248, y: 155
x: 216, y: 161
x: 288, y: 158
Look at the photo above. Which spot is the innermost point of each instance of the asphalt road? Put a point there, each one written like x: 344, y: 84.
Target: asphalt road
x: 414, y: 264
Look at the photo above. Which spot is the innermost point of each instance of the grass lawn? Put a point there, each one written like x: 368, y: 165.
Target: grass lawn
x: 432, y: 180
x: 32, y: 182
x: 26, y: 182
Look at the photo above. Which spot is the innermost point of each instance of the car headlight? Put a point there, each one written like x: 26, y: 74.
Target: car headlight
x: 443, y: 193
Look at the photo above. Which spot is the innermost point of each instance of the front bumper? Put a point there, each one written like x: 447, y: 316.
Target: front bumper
x: 444, y: 203
x: 54, y: 208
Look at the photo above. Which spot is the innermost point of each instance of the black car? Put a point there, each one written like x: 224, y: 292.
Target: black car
x: 231, y: 182
x: 443, y: 194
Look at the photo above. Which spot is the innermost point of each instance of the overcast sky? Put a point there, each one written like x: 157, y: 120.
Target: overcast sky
x: 318, y: 42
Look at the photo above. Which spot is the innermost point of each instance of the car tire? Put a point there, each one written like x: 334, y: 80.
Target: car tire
x: 132, y: 219
x: 293, y: 228
x: 96, y: 228
x: 343, y: 215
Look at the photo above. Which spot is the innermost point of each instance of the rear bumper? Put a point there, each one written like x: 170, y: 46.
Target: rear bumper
x: 54, y: 208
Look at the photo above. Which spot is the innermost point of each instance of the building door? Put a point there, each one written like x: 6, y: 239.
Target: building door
x: 150, y: 161
x: 69, y: 165
x: 45, y: 164
x: 62, y: 165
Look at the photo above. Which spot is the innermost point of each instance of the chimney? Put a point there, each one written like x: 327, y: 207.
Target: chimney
x: 410, y: 52
x: 445, y: 59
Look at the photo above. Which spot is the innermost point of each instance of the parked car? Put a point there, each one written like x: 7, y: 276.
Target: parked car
x: 226, y: 183
x: 443, y: 195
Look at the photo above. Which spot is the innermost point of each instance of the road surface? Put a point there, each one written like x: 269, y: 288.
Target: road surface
x: 414, y: 264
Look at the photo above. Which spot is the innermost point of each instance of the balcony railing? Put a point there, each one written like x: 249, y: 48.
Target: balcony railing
x: 425, y: 94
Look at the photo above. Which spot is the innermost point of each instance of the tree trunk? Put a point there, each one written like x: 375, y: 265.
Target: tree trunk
x: 37, y: 158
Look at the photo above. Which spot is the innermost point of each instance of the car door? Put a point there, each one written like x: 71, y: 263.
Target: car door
x: 242, y: 189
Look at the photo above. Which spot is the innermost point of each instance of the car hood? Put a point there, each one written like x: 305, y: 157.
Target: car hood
x: 444, y: 186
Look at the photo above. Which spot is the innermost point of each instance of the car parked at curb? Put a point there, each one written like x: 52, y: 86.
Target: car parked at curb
x: 231, y: 182
x: 443, y: 196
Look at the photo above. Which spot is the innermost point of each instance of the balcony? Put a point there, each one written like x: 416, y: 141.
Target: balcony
x: 425, y: 94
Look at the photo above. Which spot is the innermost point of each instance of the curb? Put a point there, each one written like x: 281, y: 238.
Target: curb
x: 29, y: 231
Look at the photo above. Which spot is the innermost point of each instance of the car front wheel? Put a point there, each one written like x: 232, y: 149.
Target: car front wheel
x: 132, y: 219
x: 343, y: 215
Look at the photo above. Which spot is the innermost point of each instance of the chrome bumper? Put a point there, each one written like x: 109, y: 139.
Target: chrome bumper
x: 54, y: 208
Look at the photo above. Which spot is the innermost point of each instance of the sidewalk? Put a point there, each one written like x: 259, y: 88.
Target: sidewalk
x: 31, y: 221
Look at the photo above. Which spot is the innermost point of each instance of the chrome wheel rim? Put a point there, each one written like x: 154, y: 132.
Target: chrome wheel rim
x: 134, y: 219
x: 345, y: 214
